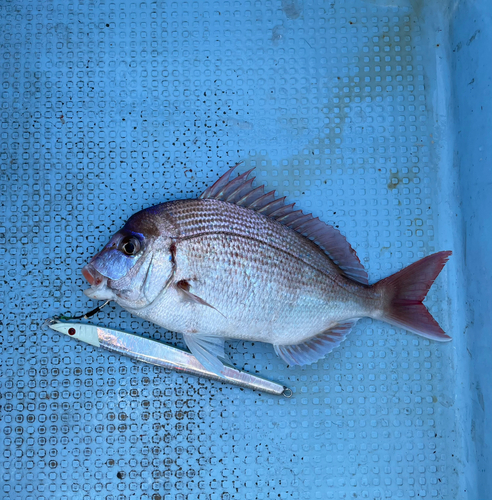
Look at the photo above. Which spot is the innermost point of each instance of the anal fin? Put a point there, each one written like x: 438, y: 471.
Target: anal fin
x: 316, y: 347
x: 207, y: 349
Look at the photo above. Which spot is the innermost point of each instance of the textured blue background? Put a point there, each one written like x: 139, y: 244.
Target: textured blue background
x: 350, y: 109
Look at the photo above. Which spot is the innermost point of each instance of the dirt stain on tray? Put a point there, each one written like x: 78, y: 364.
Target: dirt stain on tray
x: 291, y: 8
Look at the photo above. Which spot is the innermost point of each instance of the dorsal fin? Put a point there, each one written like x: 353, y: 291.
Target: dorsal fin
x: 241, y: 192
x: 215, y: 189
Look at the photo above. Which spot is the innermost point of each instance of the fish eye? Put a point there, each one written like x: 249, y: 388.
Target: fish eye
x: 130, y: 245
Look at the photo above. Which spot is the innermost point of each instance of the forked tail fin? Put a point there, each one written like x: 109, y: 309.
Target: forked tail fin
x: 404, y: 293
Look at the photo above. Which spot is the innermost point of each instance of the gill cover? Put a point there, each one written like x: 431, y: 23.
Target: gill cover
x: 122, y: 252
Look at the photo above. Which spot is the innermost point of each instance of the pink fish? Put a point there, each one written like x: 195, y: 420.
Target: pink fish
x: 240, y: 264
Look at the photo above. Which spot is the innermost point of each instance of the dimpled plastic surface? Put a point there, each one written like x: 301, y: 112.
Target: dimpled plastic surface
x: 108, y: 107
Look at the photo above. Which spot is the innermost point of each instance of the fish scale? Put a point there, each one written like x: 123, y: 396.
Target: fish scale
x: 217, y: 268
x: 196, y: 217
x: 251, y: 283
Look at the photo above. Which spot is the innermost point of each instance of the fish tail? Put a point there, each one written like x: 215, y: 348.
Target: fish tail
x: 404, y: 292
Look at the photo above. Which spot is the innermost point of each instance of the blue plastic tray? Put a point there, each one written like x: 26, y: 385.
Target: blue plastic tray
x: 375, y: 116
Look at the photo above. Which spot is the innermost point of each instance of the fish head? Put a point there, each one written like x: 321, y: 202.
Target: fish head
x: 136, y: 264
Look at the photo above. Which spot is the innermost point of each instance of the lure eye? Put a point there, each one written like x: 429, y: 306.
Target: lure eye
x: 130, y: 245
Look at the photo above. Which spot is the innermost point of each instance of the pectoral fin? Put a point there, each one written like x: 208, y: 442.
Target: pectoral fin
x: 184, y: 288
x: 207, y: 349
x: 316, y: 347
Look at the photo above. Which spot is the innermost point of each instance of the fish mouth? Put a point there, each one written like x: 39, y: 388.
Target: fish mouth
x: 91, y: 275
x: 99, y: 284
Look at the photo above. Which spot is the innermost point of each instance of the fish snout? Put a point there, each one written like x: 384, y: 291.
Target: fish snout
x: 99, y: 284
x: 92, y: 275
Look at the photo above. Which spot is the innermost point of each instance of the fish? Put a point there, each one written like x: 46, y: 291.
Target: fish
x: 239, y: 263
